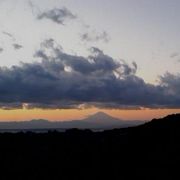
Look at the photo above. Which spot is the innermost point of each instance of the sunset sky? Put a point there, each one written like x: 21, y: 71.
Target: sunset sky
x: 67, y: 59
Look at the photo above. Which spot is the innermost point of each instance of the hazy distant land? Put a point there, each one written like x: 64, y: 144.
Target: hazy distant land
x: 98, y: 121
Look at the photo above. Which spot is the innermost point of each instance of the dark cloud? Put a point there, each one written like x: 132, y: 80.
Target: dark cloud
x: 93, y: 36
x: 172, y: 83
x: 61, y: 80
x: 11, y: 106
x: 57, y: 15
x: 17, y: 46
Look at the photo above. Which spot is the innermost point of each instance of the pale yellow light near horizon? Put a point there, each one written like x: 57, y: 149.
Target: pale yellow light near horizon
x: 73, y: 114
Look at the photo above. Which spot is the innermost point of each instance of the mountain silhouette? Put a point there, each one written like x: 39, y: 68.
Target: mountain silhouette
x: 102, y: 118
x: 99, y: 120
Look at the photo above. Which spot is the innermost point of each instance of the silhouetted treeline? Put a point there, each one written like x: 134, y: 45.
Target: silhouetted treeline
x: 150, y: 151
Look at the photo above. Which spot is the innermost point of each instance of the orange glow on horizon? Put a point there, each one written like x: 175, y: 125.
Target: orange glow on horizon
x: 73, y: 114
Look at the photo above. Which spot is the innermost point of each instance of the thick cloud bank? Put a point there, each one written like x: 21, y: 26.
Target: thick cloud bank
x: 61, y: 80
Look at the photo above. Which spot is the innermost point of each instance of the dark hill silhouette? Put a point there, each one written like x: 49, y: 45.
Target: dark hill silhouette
x: 149, y: 152
x: 168, y: 126
x: 99, y: 120
x: 168, y: 122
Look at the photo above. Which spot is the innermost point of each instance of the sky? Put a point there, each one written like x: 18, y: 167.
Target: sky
x: 66, y: 59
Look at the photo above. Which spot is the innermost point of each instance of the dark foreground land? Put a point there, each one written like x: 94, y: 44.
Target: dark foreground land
x: 150, y: 151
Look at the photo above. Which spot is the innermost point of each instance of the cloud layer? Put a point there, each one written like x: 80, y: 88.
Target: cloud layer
x: 61, y: 80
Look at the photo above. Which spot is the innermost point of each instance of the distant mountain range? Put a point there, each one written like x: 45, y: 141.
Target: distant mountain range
x: 99, y: 120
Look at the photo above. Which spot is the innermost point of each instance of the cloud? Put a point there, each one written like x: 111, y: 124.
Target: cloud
x: 173, y: 55
x: 61, y: 80
x: 17, y: 46
x: 1, y: 49
x: 32, y: 6
x: 57, y: 15
x: 9, y: 35
x: 96, y: 37
x: 11, y: 106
